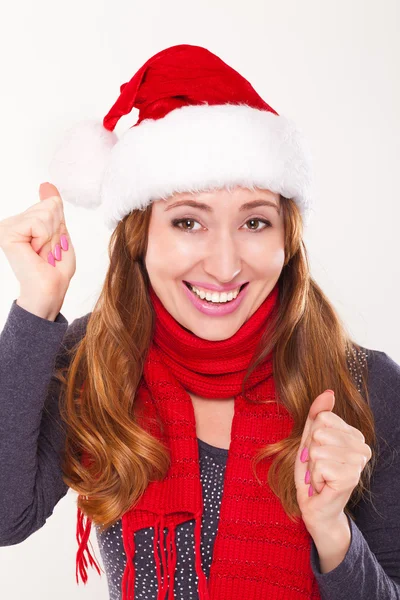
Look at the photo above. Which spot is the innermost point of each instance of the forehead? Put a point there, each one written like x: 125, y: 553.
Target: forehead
x: 220, y: 199
x: 216, y: 203
x: 237, y: 191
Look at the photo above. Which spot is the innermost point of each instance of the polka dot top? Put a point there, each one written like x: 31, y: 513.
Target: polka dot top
x: 373, y: 559
x: 212, y: 468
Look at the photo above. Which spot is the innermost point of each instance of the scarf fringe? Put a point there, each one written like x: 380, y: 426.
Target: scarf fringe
x: 82, y: 537
x: 172, y: 560
x: 159, y: 541
x: 202, y: 579
x: 167, y: 578
x: 128, y: 580
x: 165, y: 567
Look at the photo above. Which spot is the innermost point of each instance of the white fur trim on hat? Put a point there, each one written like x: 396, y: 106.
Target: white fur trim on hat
x: 191, y: 149
x: 77, y: 166
x: 200, y: 147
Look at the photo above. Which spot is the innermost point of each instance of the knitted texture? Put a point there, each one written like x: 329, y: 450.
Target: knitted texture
x: 258, y: 552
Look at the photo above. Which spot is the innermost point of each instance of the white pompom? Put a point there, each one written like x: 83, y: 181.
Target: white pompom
x: 78, y: 165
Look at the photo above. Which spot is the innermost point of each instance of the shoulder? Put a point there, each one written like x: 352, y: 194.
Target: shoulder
x: 77, y: 329
x: 78, y: 326
x: 73, y: 335
x: 383, y: 382
x: 383, y: 376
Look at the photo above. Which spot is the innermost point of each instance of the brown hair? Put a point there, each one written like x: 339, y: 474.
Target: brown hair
x: 311, y: 350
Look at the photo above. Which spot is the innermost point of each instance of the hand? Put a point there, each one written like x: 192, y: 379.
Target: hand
x: 337, y: 454
x: 33, y: 244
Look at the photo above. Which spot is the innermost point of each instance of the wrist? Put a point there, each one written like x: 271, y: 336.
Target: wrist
x: 37, y: 308
x: 332, y: 541
x: 323, y: 529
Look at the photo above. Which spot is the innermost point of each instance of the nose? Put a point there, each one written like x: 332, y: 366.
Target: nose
x: 223, y: 260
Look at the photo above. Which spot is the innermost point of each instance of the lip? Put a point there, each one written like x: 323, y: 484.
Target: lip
x: 217, y: 288
x: 215, y: 310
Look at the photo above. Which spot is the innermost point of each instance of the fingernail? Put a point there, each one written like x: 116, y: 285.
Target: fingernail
x: 64, y: 242
x: 57, y: 252
x: 50, y: 258
x: 329, y: 391
x: 310, y: 490
x: 307, y: 478
x: 304, y: 454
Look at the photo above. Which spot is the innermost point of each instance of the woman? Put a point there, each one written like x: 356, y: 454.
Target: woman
x: 222, y: 429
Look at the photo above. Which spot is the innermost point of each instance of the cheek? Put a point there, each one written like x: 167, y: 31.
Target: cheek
x: 168, y: 253
x: 277, y: 259
x: 173, y: 254
x: 266, y: 258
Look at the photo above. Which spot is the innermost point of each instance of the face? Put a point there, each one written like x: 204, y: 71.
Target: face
x: 219, y: 239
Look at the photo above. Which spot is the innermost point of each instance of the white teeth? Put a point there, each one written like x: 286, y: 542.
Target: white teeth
x: 215, y: 296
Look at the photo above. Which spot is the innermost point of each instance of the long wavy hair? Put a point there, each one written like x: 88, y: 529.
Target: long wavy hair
x: 311, y: 351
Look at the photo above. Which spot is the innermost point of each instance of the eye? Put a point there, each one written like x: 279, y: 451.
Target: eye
x: 255, y: 220
x: 177, y: 222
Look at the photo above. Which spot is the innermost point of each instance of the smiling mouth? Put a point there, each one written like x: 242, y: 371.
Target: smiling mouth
x: 212, y: 291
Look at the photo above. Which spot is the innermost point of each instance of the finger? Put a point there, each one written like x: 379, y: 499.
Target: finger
x: 336, y: 437
x: 338, y: 477
x: 356, y: 432
x: 49, y: 218
x: 330, y: 421
x: 335, y: 454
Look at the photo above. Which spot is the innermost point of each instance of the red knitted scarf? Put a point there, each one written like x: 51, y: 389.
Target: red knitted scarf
x: 258, y: 551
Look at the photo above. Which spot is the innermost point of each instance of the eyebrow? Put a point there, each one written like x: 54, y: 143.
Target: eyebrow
x: 206, y: 207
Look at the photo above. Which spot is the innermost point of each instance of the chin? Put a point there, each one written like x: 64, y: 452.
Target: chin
x: 213, y: 332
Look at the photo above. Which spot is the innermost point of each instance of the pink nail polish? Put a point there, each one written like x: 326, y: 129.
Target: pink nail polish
x: 307, y: 478
x: 64, y: 242
x: 310, y: 490
x: 304, y: 454
x: 57, y: 252
x: 50, y: 258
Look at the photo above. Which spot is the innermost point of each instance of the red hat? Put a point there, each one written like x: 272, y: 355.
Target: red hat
x: 201, y: 126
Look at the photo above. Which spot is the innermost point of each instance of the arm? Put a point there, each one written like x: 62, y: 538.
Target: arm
x: 370, y: 568
x: 31, y: 431
x: 332, y: 544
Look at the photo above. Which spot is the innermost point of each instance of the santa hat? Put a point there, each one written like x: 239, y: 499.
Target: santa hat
x: 201, y: 126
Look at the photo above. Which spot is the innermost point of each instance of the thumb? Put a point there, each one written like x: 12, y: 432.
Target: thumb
x: 325, y: 401
x: 47, y: 190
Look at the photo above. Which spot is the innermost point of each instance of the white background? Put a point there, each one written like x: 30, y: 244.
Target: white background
x: 333, y: 67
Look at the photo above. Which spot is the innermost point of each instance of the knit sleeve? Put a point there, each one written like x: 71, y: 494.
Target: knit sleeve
x: 31, y: 431
x: 370, y: 569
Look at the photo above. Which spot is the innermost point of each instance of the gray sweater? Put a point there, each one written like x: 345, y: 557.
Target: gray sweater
x: 32, y: 439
